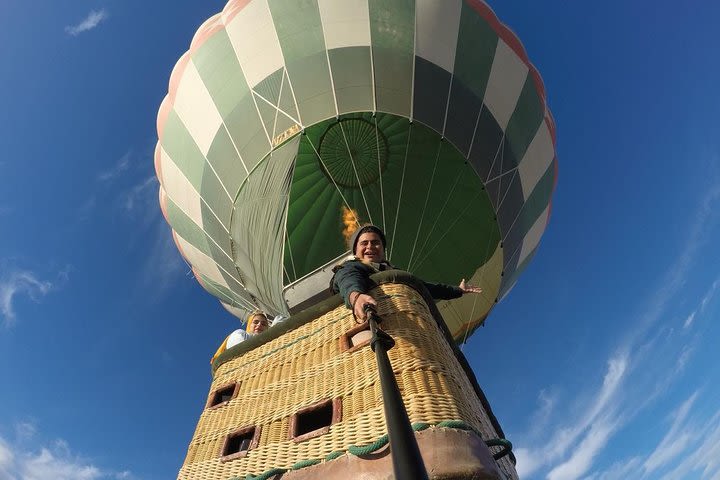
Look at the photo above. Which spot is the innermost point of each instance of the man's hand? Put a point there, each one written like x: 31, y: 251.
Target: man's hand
x: 467, y: 288
x: 358, y: 300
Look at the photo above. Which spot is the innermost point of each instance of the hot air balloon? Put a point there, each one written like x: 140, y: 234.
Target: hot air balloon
x: 287, y: 124
x: 424, y: 117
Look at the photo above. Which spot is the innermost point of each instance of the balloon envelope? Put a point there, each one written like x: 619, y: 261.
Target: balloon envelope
x: 424, y: 117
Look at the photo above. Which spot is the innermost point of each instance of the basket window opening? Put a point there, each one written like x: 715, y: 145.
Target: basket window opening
x: 222, y: 395
x: 314, y: 419
x: 239, y: 442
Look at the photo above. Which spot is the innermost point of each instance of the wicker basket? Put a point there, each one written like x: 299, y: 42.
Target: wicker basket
x: 310, y: 364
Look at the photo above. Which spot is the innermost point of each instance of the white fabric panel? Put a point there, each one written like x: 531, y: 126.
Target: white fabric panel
x: 346, y: 24
x: 537, y: 159
x: 253, y: 36
x: 532, y: 239
x: 201, y: 262
x: 436, y: 31
x: 196, y: 108
x: 179, y: 189
x: 507, y: 77
x: 238, y: 312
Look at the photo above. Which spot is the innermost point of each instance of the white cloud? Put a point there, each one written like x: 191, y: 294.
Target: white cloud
x: 705, y: 454
x: 631, y: 382
x: 689, y: 320
x: 7, y: 460
x: 709, y: 295
x: 592, y: 425
x: 142, y: 196
x: 121, y: 166
x: 46, y: 465
x: 54, y: 462
x: 164, y: 265
x: 16, y: 283
x: 675, y: 441
x: 92, y: 20
x: 583, y: 455
x: 620, y: 470
x: 25, y: 430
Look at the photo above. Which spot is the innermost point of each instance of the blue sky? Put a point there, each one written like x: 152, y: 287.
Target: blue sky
x: 600, y: 364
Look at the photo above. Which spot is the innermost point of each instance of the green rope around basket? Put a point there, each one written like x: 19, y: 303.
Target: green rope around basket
x: 380, y: 443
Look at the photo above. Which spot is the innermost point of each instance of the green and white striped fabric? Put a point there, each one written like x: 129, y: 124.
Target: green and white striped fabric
x: 423, y: 116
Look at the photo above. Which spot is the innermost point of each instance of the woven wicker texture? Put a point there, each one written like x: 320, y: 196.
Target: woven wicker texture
x: 306, y: 366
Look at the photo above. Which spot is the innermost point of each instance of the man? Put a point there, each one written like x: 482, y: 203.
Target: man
x: 352, y: 278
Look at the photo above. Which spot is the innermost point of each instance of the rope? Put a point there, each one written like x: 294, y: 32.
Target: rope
x: 264, y: 476
x: 380, y: 443
x: 334, y: 455
x: 367, y: 449
x: 305, y: 463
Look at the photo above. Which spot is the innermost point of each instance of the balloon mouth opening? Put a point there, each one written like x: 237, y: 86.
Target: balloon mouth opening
x: 353, y: 153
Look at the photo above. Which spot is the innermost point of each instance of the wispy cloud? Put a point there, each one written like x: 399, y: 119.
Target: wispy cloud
x: 703, y: 452
x: 164, y: 265
x: 20, y: 283
x: 691, y: 444
x: 709, y: 295
x: 706, y: 299
x: 25, y: 430
x: 92, y: 20
x: 689, y: 320
x: 593, y: 425
x: 583, y: 455
x: 620, y: 470
x: 141, y: 195
x: 120, y: 166
x: 675, y: 441
x: 644, y: 364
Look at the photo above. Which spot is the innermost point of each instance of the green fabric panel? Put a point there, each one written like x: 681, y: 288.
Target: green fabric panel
x: 224, y: 158
x: 511, y: 278
x: 300, y: 33
x: 216, y: 197
x: 199, y: 238
x: 186, y: 228
x: 525, y: 120
x: 247, y: 132
x: 475, y: 51
x: 226, y: 295
x: 282, y: 124
x: 352, y: 77
x: 214, y: 229
x: 220, y: 71
x: 270, y: 86
x: 311, y: 197
x: 310, y: 79
x: 441, y: 229
x: 314, y: 216
x: 538, y: 200
x: 392, y: 33
x: 287, y: 101
x: 319, y: 228
x: 257, y: 228
x: 182, y: 149
x: 267, y: 114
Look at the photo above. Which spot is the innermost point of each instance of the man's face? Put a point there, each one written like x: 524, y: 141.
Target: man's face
x: 258, y: 324
x: 370, y: 248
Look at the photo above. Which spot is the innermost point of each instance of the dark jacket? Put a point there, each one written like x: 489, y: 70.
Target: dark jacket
x: 354, y: 276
